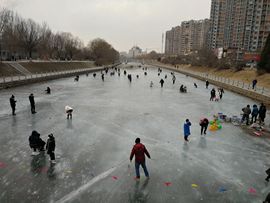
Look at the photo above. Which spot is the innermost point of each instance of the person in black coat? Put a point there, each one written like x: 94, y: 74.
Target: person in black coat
x: 262, y: 113
x: 35, y: 142
x: 207, y: 84
x: 213, y: 94
x: 161, y: 82
x: 50, y: 147
x: 32, y: 103
x: 13, y: 104
x: 48, y: 90
x: 102, y: 77
x: 267, y: 199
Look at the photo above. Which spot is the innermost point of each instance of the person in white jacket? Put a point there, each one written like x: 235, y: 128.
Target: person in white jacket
x: 69, y: 111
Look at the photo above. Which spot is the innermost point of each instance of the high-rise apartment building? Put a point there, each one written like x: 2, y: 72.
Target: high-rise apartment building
x: 188, y: 37
x: 217, y: 23
x: 239, y: 24
x: 172, y: 41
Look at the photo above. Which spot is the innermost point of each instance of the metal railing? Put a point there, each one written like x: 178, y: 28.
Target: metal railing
x: 236, y: 83
x: 4, y: 80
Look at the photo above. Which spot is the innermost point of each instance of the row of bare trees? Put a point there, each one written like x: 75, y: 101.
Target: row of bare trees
x: 25, y: 39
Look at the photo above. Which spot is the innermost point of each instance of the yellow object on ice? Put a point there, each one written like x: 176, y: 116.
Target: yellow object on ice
x: 194, y: 185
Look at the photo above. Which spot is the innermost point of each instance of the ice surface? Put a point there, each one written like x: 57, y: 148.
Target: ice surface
x: 94, y: 146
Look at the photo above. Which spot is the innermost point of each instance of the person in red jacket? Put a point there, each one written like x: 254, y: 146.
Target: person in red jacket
x: 139, y: 150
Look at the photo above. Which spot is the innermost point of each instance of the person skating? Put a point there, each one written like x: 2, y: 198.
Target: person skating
x: 254, y: 113
x: 125, y: 72
x: 195, y: 85
x: 139, y: 150
x: 102, y: 77
x: 183, y: 89
x: 213, y: 94
x: 76, y: 79
x: 187, y: 129
x: 221, y: 92
x: 69, y: 111
x: 48, y: 90
x: 161, y: 82
x: 12, y: 102
x: 165, y: 76
x: 50, y: 147
x: 151, y: 84
x: 94, y: 75
x: 129, y: 77
x: 173, y: 79
x: 207, y: 84
x: 262, y: 113
x: 204, y: 125
x: 246, y: 113
x: 32, y: 103
x: 36, y: 143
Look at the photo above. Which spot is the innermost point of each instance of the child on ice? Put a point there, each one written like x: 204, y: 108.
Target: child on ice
x: 187, y: 129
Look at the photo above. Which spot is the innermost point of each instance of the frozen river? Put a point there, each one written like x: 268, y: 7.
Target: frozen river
x: 92, y: 149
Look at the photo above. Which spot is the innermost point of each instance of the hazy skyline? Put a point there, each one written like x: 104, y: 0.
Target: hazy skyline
x: 123, y: 23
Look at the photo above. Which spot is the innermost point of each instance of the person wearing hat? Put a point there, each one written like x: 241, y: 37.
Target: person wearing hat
x: 50, y: 147
x: 32, y: 103
x: 13, y: 104
x: 139, y: 150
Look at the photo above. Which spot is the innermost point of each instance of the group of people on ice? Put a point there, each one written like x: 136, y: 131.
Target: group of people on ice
x: 38, y: 145
x: 256, y: 114
x: 13, y: 102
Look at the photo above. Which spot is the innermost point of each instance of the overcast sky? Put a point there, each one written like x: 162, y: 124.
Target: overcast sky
x: 123, y: 23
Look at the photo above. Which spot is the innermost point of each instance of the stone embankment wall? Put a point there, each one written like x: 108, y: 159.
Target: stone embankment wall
x: 14, y: 81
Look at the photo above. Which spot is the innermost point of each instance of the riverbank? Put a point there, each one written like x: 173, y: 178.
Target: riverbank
x: 261, y: 94
x: 8, y: 69
x: 246, y: 75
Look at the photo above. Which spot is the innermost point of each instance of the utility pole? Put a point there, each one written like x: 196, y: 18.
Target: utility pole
x: 162, y: 43
x: 1, y: 47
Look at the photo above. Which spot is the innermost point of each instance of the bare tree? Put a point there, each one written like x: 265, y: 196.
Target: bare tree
x: 29, y: 34
x: 102, y: 52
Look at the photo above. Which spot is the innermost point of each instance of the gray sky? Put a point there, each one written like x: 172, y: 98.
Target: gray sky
x: 123, y: 23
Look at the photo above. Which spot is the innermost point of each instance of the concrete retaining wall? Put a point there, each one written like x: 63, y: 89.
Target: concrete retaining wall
x: 251, y: 94
x: 47, y: 77
x: 36, y: 78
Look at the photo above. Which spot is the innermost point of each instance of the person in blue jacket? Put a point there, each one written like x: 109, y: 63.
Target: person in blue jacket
x: 254, y: 113
x: 187, y: 129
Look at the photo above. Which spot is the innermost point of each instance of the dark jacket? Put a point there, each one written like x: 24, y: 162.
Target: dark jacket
x: 32, y: 100
x: 262, y: 111
x: 213, y: 93
x: 139, y: 150
x: 255, y: 111
x: 12, y: 102
x: 246, y: 110
x: 50, y: 146
x: 204, y: 122
x: 35, y: 141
